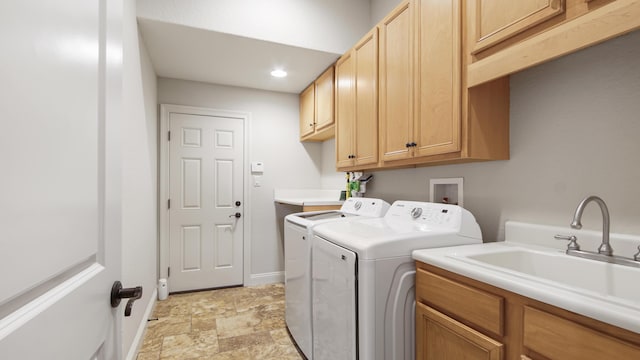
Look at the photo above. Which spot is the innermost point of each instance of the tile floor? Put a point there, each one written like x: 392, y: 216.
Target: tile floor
x: 234, y: 323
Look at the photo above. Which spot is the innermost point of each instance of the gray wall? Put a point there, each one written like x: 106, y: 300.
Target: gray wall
x: 139, y: 177
x: 575, y: 131
x: 380, y: 9
x: 275, y: 141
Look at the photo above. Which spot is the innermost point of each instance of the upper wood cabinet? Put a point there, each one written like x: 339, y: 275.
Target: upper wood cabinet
x: 357, y: 105
x: 438, y: 104
x: 493, y: 21
x: 317, y: 108
x: 427, y: 116
x: 505, y: 37
x: 396, y: 82
x: 307, y: 110
x: 324, y: 100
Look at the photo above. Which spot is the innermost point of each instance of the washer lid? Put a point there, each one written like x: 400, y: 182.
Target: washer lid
x: 407, y: 226
x: 372, y: 239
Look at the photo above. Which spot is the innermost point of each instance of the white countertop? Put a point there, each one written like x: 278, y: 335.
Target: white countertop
x: 307, y: 197
x: 612, y: 310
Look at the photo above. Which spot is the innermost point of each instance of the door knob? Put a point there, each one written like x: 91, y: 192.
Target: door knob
x: 118, y: 293
x: 236, y: 215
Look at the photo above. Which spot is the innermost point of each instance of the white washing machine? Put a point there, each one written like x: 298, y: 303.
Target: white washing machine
x: 297, y: 255
x: 363, y: 278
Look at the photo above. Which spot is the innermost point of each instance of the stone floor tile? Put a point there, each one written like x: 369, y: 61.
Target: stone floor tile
x: 241, y: 324
x: 186, y: 346
x: 172, y: 325
x: 150, y: 343
x: 150, y: 355
x: 203, y: 321
x: 245, y: 341
x: 274, y: 351
x: 224, y: 324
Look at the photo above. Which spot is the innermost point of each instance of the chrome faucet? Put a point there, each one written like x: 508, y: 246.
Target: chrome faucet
x: 605, y: 247
x: 605, y: 252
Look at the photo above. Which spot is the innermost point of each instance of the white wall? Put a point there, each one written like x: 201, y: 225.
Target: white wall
x: 328, y: 25
x: 331, y: 178
x: 139, y: 178
x: 274, y: 140
x: 575, y: 129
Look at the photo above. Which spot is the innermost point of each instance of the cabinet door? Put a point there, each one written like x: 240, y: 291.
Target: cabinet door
x: 307, y: 110
x: 324, y: 100
x: 438, y: 88
x: 558, y: 338
x: 492, y: 21
x: 366, y: 121
x: 438, y: 337
x: 345, y: 110
x: 396, y: 83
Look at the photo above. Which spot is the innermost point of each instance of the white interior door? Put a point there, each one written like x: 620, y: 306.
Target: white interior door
x: 59, y: 213
x: 206, y: 155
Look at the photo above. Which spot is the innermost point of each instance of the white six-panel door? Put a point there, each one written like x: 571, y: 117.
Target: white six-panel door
x: 206, y: 156
x: 59, y: 178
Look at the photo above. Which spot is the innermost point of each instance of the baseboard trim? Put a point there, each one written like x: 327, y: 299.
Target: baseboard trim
x: 266, y: 278
x: 137, y: 341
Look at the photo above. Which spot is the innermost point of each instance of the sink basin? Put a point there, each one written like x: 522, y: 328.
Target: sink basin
x: 531, y: 263
x: 581, y: 274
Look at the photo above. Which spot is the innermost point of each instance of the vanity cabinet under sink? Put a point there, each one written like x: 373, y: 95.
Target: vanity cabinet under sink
x: 458, y: 317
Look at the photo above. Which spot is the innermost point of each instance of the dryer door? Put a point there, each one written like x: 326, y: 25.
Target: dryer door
x: 334, y: 289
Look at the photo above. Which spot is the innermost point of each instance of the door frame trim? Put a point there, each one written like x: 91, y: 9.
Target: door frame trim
x: 163, y: 188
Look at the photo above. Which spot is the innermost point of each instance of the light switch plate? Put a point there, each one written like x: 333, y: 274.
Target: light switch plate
x: 257, y: 166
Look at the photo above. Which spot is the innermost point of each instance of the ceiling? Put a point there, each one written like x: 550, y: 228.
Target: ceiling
x: 189, y: 53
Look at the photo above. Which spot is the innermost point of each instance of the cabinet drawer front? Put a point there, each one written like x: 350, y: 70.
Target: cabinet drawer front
x: 482, y: 309
x: 440, y: 337
x: 558, y: 338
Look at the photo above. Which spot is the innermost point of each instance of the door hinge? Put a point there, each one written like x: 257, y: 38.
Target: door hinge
x: 169, y: 136
x: 169, y: 271
x: 168, y: 203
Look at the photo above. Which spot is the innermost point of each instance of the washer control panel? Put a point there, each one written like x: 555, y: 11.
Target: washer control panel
x: 425, y: 213
x: 365, y: 207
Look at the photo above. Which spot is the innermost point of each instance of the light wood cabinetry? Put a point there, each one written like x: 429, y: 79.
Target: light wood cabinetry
x: 493, y: 21
x: 317, y: 108
x: 526, y: 33
x: 427, y: 115
x: 557, y: 338
x: 307, y: 208
x: 396, y: 82
x: 357, y: 104
x: 440, y: 337
x: 324, y: 100
x: 307, y: 110
x: 458, y: 317
x: 438, y: 104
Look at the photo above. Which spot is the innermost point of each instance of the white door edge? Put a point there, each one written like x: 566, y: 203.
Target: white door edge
x: 165, y: 110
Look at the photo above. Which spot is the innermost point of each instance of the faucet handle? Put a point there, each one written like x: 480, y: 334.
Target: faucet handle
x: 636, y: 257
x: 573, y: 242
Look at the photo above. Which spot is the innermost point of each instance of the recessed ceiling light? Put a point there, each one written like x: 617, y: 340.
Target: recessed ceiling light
x: 279, y: 73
